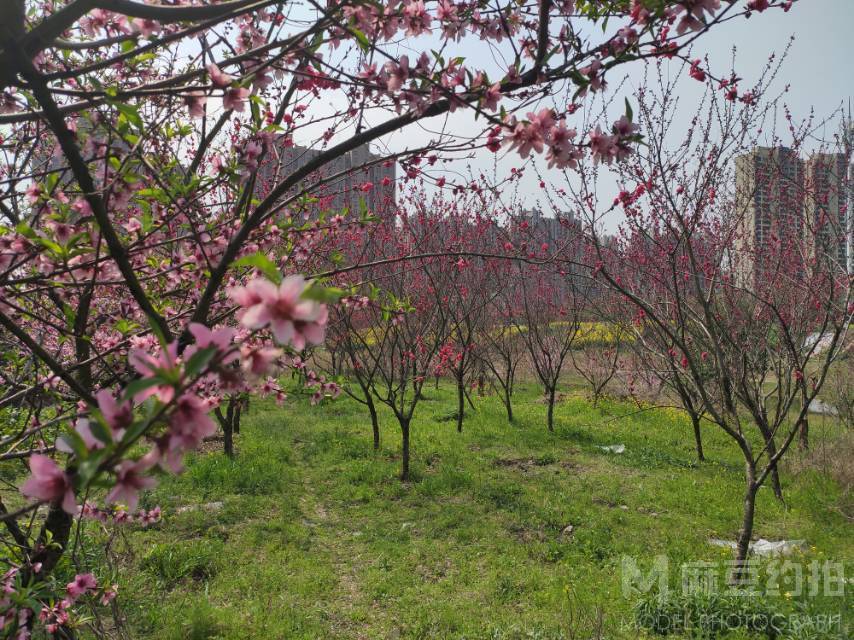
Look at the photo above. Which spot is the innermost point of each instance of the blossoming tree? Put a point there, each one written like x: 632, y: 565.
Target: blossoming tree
x: 729, y: 257
x: 148, y: 263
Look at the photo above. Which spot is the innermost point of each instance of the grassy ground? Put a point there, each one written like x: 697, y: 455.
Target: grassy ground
x: 307, y: 533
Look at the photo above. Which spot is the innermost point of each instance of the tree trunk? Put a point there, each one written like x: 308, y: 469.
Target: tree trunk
x: 404, y: 465
x: 804, y: 425
x: 461, y: 401
x: 508, y: 405
x: 237, y: 411
x: 226, y: 422
x: 742, y: 547
x: 375, y: 423
x: 551, y: 412
x: 698, y: 439
x: 228, y: 429
x: 772, y: 451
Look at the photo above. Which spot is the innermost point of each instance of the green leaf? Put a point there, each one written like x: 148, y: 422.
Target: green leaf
x: 362, y: 39
x: 629, y: 113
x: 140, y: 385
x: 261, y: 262
x: 131, y: 113
x: 100, y: 430
x: 319, y: 293
x: 198, y: 361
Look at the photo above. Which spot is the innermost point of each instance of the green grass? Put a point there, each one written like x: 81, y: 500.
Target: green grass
x: 317, y: 538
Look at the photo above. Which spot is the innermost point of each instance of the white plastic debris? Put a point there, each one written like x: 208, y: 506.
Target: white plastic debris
x: 763, y: 547
x: 614, y: 448
x: 817, y: 406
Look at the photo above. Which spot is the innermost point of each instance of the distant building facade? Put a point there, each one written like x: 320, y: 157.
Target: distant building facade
x: 345, y: 182
x: 769, y: 184
x: 786, y: 202
x: 826, y: 206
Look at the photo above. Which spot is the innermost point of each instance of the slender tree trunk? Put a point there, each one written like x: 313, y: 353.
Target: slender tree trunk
x: 508, y: 404
x: 375, y: 423
x: 404, y: 465
x: 698, y: 438
x: 228, y: 429
x: 772, y: 451
x: 551, y: 411
x: 237, y: 411
x: 461, y: 401
x: 804, y: 434
x: 742, y: 545
x: 804, y: 426
x: 227, y: 423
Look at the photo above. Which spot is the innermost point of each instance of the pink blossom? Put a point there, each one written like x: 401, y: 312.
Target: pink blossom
x: 220, y: 338
x: 397, y: 73
x: 129, y: 482
x: 84, y: 430
x: 109, y: 594
x: 624, y: 127
x: 562, y: 153
x: 491, y: 97
x: 526, y: 138
x: 133, y: 225
x: 694, y: 10
x: 291, y: 319
x: 219, y: 78
x: 145, y: 26
x: 602, y: 146
x: 416, y: 18
x: 49, y: 483
x: 82, y: 207
x: 82, y: 584
x: 190, y: 423
x: 196, y: 102
x: 149, y: 366
x: 696, y: 72
x: 234, y: 99
x: 119, y: 416
x: 33, y: 192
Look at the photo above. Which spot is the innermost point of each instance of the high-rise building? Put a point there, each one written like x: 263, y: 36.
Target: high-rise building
x: 345, y: 182
x: 769, y: 203
x: 826, y: 207
x: 850, y: 218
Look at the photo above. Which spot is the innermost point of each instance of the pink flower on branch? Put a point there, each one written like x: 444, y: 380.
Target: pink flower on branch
x: 49, y: 483
x: 219, y: 78
x: 129, y: 482
x: 81, y: 585
x: 292, y: 320
x: 166, y: 362
x: 234, y: 99
x: 196, y: 102
x: 694, y: 10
